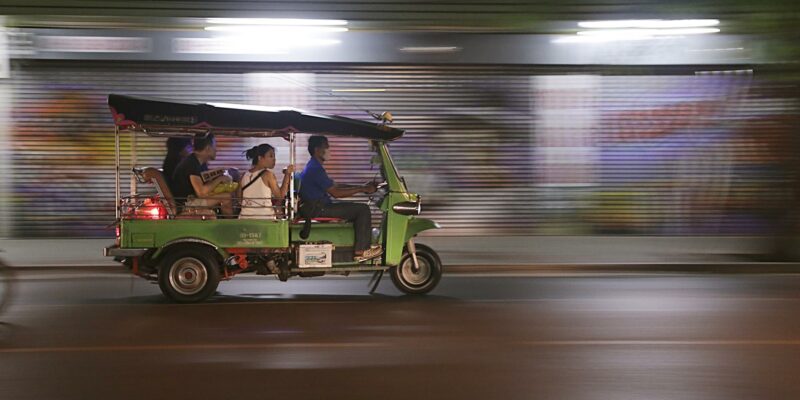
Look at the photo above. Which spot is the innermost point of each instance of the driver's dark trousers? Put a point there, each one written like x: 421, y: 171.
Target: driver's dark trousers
x: 358, y: 213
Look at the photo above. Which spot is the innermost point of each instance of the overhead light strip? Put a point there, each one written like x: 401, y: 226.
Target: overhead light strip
x: 639, y: 29
x: 277, y: 21
x: 649, y: 24
x: 274, y: 29
x: 648, y: 32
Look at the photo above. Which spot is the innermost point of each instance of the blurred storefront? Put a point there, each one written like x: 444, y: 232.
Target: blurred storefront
x: 550, y: 141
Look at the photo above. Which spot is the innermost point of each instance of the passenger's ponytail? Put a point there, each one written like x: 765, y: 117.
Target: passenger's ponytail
x: 257, y: 151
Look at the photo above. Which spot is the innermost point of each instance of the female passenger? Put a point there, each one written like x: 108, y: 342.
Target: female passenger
x: 259, y: 185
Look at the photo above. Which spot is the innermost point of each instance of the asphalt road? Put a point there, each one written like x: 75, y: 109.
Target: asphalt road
x: 84, y: 335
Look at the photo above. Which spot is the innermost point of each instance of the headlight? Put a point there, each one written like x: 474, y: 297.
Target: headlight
x: 408, y: 207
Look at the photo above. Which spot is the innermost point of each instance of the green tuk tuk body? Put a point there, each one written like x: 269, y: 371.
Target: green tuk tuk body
x: 189, y: 256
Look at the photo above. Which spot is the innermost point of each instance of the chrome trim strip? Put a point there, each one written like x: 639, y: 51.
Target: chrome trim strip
x: 407, y: 208
x: 116, y: 251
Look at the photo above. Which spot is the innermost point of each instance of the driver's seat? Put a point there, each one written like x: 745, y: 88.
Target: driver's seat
x: 300, y: 220
x: 307, y: 222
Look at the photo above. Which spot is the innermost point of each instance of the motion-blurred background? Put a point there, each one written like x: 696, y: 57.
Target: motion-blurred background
x: 568, y: 123
x: 631, y: 133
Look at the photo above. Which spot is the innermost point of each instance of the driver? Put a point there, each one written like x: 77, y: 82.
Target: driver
x: 316, y: 190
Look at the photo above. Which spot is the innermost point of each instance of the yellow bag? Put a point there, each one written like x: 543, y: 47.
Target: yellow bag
x: 229, y: 187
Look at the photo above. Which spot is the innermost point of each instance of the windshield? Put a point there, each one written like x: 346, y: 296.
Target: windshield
x: 391, y: 165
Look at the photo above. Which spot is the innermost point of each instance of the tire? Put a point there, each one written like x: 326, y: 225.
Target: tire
x: 189, y: 274
x: 425, y: 280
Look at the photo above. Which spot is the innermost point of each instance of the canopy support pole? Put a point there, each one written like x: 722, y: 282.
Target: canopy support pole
x: 116, y: 172
x: 292, y: 202
x: 134, y: 161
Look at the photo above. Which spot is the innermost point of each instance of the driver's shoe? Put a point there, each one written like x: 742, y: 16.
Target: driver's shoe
x: 370, y: 253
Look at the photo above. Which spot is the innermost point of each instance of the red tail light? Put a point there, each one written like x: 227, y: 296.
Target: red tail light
x: 151, y: 209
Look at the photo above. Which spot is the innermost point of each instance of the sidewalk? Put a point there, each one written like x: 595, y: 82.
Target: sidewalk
x: 507, y: 252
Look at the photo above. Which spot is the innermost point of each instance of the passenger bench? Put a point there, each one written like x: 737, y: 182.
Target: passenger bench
x: 156, y: 178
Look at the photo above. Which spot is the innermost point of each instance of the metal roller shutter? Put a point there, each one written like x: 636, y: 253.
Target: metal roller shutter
x: 492, y: 150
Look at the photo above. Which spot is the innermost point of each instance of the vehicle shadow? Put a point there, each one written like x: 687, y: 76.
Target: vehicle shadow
x: 277, y: 298
x: 325, y: 298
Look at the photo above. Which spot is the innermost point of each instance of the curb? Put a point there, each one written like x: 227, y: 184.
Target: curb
x: 740, y: 267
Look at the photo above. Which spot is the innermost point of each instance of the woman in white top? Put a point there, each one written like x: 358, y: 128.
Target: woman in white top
x: 259, y: 186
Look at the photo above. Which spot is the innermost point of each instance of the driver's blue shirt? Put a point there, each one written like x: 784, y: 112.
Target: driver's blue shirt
x: 314, y: 183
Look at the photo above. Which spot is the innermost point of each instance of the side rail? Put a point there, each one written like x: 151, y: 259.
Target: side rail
x: 223, y: 202
x: 155, y: 207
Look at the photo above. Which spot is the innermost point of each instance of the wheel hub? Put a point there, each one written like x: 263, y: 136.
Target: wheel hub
x: 418, y: 277
x: 188, y: 276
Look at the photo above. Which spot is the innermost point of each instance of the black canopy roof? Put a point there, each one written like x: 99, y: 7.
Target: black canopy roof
x: 168, y: 117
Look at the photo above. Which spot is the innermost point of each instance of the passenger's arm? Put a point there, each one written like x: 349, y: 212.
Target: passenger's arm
x: 204, y: 190
x: 288, y: 175
x: 272, y: 183
x: 239, y: 192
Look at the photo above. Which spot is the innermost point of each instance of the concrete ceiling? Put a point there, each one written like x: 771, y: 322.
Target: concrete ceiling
x: 537, y: 16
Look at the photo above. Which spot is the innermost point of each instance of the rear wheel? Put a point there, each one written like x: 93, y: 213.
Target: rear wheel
x: 424, y: 279
x: 189, y: 275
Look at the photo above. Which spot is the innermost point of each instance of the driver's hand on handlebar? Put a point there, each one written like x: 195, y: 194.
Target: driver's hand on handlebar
x: 370, y: 188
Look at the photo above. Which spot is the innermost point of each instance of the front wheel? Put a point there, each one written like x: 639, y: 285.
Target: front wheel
x: 424, y: 279
x: 189, y: 275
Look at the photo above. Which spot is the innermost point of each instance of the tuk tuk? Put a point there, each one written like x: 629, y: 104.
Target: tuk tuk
x: 188, y: 252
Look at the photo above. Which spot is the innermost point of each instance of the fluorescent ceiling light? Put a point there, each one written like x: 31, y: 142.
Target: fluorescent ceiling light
x: 262, y: 29
x: 647, y: 32
x: 277, y: 21
x: 649, y: 24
